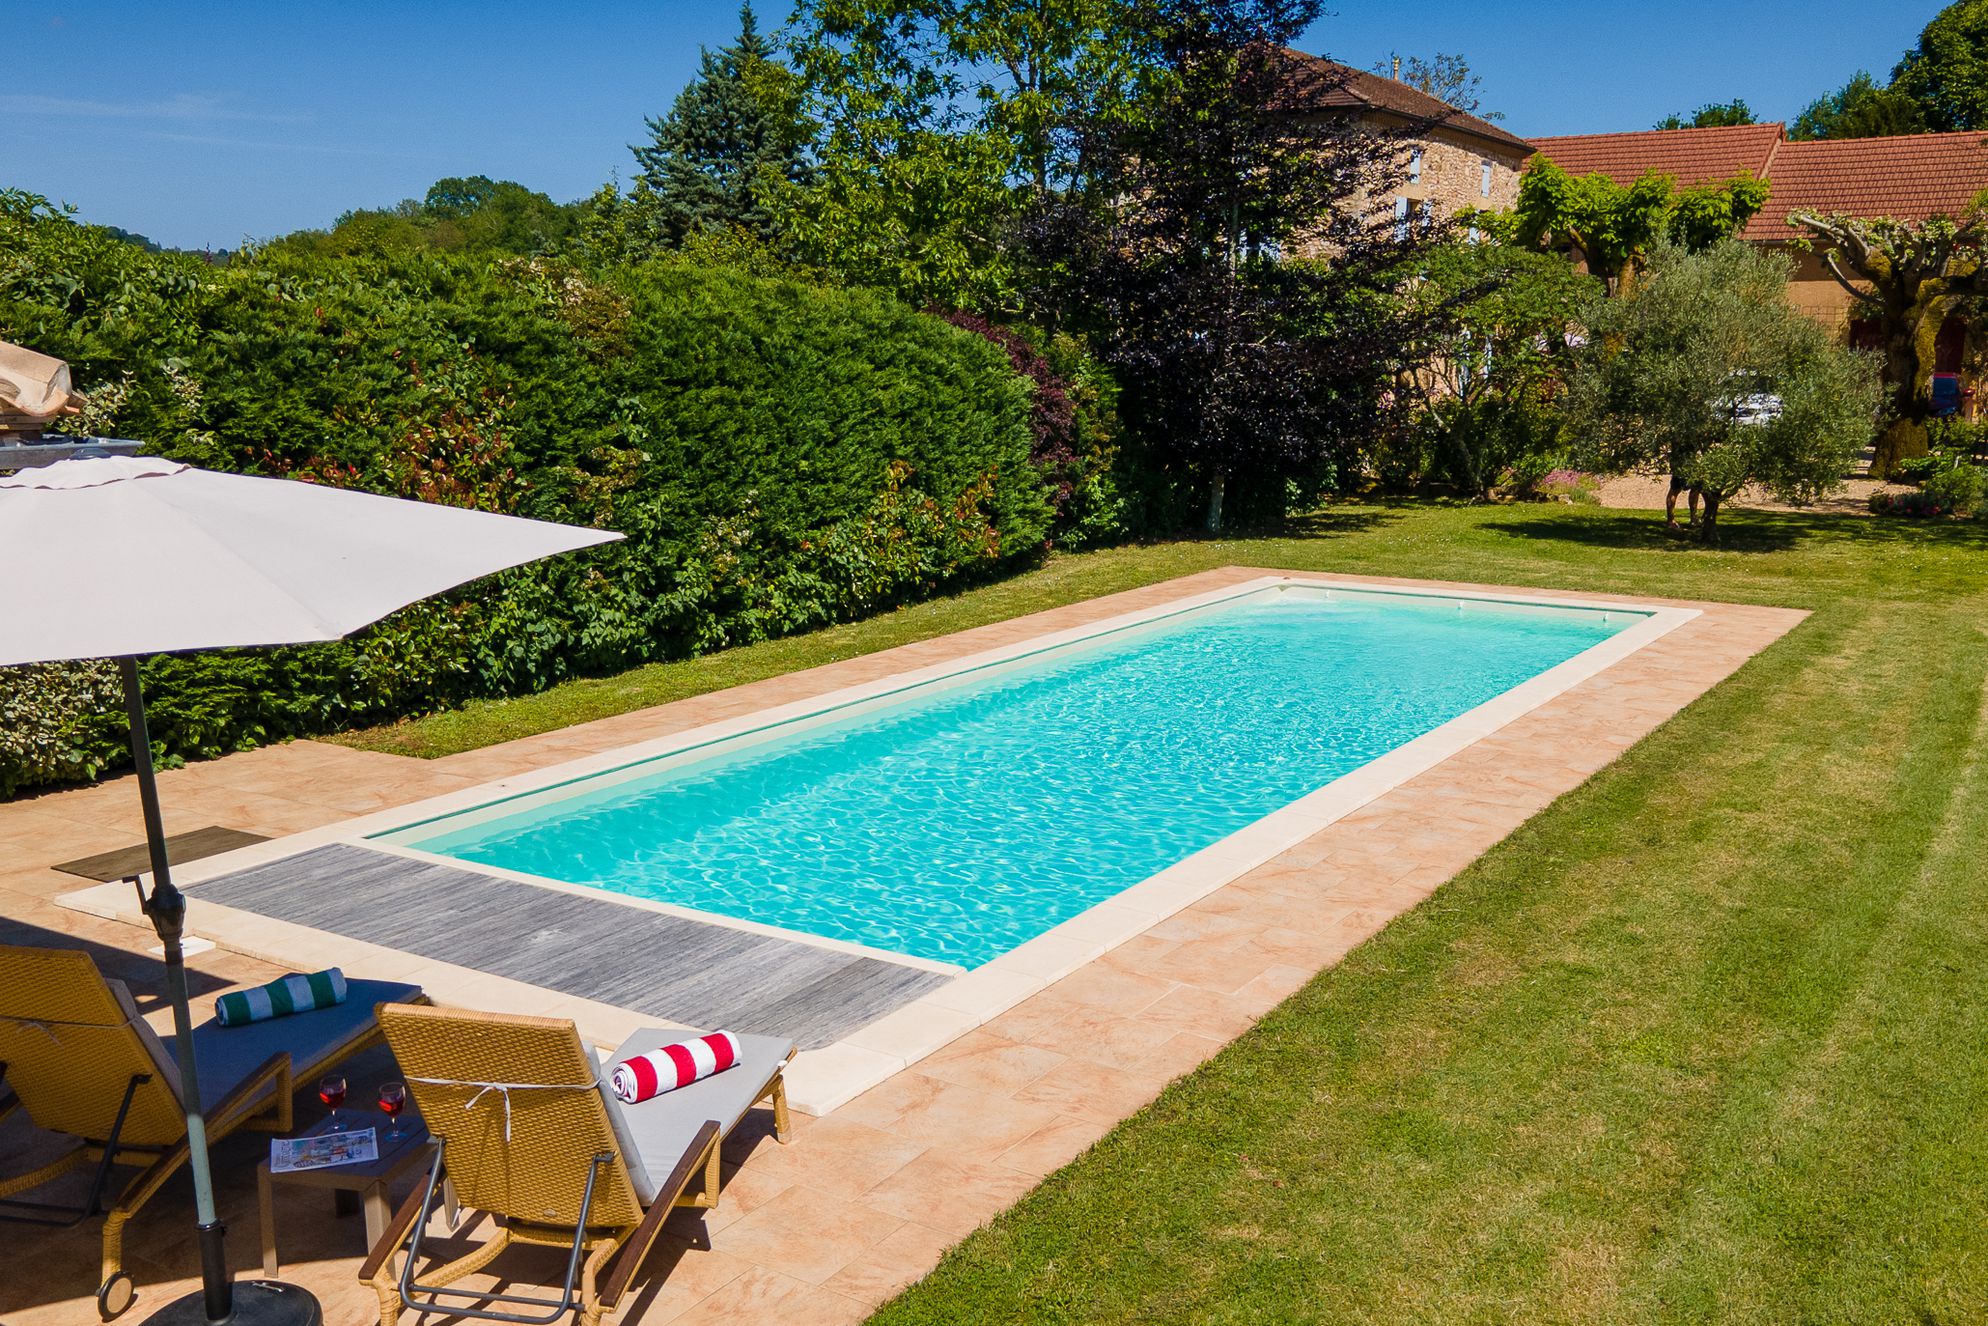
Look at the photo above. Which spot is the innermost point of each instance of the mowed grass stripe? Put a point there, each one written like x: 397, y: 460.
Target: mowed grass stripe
x: 1544, y: 1095
x: 1787, y: 1222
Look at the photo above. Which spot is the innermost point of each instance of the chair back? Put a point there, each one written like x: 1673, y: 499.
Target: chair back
x: 72, y: 1041
x: 515, y: 1101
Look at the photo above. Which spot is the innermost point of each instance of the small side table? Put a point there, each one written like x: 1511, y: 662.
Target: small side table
x: 364, y: 1184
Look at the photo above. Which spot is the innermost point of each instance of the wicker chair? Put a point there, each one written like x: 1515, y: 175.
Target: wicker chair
x: 83, y: 1063
x: 529, y: 1136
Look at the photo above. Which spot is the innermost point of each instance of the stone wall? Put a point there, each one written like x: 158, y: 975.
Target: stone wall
x: 1452, y: 174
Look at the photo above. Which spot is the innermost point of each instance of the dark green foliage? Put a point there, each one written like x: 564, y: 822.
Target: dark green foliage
x: 1713, y: 115
x: 1073, y: 421
x: 730, y: 147
x: 1859, y: 109
x: 1947, y: 72
x: 1250, y: 375
x: 779, y: 456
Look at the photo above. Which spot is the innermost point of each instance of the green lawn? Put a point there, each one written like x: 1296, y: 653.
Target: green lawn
x: 1707, y: 1040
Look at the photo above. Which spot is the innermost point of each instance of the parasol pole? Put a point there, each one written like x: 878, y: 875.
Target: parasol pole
x: 268, y: 1301
x: 166, y: 908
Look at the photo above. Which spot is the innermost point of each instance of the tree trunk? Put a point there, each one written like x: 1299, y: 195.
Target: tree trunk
x: 1905, y: 436
x: 1215, y: 489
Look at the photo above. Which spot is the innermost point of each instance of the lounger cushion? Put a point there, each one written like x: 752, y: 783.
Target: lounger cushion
x: 227, y: 1055
x: 653, y: 1134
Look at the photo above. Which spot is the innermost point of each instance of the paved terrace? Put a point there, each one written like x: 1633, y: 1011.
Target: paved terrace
x: 866, y: 1198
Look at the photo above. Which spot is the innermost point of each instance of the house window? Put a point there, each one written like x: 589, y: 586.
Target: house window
x: 1474, y: 235
x: 1415, y: 167
x: 1400, y: 219
x: 1484, y: 181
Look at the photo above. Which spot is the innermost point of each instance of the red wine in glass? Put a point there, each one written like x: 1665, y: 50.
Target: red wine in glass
x: 393, y: 1099
x: 331, y: 1091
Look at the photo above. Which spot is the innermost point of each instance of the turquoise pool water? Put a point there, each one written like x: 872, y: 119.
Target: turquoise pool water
x: 960, y: 821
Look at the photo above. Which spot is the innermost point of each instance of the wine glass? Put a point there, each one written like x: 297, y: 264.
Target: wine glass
x: 331, y: 1090
x: 393, y: 1099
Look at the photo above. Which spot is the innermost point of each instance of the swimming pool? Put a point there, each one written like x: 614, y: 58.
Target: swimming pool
x: 956, y: 819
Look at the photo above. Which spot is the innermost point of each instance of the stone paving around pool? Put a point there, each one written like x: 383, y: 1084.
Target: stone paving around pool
x: 866, y: 1197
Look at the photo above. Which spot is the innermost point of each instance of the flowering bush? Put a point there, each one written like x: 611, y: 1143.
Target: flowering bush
x: 1954, y: 489
x: 1564, y: 485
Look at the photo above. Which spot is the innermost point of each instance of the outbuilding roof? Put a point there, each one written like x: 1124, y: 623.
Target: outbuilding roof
x: 1910, y: 177
x: 1694, y: 156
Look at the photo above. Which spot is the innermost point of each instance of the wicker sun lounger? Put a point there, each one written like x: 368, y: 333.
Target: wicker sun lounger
x: 530, y: 1135
x: 82, y: 1062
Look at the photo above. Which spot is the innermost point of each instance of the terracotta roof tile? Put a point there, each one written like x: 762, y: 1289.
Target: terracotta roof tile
x: 1315, y: 83
x: 1907, y: 178
x: 1694, y: 156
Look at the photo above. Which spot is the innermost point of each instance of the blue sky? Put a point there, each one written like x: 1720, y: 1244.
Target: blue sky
x: 199, y: 125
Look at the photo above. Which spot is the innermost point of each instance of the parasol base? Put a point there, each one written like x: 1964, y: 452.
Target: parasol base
x: 257, y: 1303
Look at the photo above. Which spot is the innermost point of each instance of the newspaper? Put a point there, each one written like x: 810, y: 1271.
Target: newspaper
x: 322, y: 1151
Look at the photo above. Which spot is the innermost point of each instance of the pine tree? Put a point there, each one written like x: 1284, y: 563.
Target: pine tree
x: 734, y: 141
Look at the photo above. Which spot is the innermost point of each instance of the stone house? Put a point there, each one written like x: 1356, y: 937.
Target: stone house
x: 1454, y: 160
x: 1908, y: 178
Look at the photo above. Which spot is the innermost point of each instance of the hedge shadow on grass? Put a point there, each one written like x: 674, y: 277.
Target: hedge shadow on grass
x: 1739, y: 532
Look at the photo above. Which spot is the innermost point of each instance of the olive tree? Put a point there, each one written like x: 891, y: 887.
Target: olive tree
x: 1907, y: 276
x: 1707, y: 370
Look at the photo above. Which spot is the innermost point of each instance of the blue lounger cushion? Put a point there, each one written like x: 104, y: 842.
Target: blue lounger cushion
x: 227, y: 1055
x: 653, y: 1134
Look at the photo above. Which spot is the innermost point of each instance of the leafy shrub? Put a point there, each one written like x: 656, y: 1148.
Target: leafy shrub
x: 1958, y: 437
x: 1565, y: 485
x: 51, y: 720
x: 1073, y: 423
x: 1513, y: 440
x: 779, y: 456
x: 1950, y: 490
x: 1918, y: 469
x: 1957, y: 487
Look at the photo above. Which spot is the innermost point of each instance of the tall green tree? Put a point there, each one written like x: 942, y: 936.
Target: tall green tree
x: 940, y: 119
x: 1947, y: 72
x: 1706, y: 369
x: 1023, y: 73
x: 1712, y: 115
x: 1859, y: 109
x: 732, y: 147
x: 1233, y: 269
x: 1906, y: 276
x: 1611, y: 226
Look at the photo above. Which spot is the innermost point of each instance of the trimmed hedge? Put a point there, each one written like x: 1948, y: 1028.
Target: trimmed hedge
x: 779, y: 456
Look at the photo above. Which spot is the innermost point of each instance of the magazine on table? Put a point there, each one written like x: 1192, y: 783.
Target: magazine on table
x: 322, y: 1150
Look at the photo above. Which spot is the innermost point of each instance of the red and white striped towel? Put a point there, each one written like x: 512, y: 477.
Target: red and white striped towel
x: 673, y: 1066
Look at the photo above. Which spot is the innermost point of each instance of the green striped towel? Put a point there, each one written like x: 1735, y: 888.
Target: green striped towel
x: 289, y: 994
